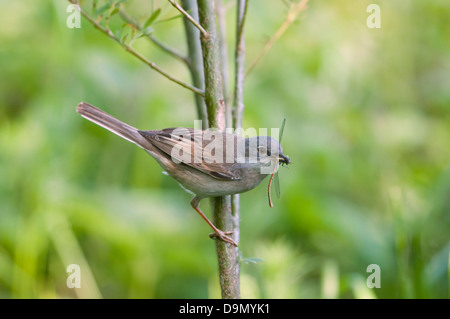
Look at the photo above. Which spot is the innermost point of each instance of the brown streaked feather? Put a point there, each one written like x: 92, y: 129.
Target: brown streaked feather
x: 166, y: 140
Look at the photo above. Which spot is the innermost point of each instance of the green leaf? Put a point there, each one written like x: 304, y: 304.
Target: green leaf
x: 94, y: 6
x: 125, y: 33
x: 118, y: 33
x: 152, y: 18
x: 128, y: 32
x: 114, y: 11
x: 103, y: 8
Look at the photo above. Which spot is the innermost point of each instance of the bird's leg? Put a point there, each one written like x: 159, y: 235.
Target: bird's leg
x: 217, y: 232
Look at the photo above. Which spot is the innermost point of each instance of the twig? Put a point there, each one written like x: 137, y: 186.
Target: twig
x: 161, y: 71
x: 189, y: 17
x: 241, y: 16
x: 238, y: 104
x: 173, y: 52
x: 221, y: 21
x: 128, y: 48
x: 169, y: 49
x: 195, y: 59
x: 292, y: 15
x: 211, y: 63
x: 227, y: 255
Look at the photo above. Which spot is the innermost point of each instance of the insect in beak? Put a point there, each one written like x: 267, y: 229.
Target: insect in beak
x: 284, y: 159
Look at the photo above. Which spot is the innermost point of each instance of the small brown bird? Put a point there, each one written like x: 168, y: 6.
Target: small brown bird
x: 205, y: 166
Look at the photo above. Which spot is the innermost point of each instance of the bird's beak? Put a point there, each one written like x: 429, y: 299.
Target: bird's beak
x: 284, y: 159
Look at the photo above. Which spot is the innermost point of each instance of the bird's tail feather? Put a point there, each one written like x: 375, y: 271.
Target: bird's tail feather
x: 112, y: 124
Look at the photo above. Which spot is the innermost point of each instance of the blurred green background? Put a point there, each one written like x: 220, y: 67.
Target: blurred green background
x: 368, y: 132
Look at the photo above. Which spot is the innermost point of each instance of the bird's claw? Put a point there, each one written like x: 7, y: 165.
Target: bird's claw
x: 223, y: 236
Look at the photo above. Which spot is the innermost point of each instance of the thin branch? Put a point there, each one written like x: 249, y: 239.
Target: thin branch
x: 221, y: 21
x: 173, y: 52
x: 238, y: 104
x: 292, y: 15
x: 195, y: 59
x: 169, y: 49
x: 128, y: 48
x: 227, y: 255
x: 242, y: 15
x: 162, y: 72
x: 188, y: 16
x: 211, y: 64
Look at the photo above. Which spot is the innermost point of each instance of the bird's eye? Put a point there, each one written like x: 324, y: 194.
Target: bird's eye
x: 262, y: 150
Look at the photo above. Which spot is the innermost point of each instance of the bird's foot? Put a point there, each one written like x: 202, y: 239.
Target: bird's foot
x: 223, y: 236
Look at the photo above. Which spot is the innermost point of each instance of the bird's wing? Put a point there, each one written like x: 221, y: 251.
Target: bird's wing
x: 197, y: 149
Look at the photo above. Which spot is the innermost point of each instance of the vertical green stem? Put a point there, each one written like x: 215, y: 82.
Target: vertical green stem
x: 221, y: 21
x: 238, y: 103
x: 238, y: 99
x: 227, y: 255
x: 195, y: 58
x: 214, y: 99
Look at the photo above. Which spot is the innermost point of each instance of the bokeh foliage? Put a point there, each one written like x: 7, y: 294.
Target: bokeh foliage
x: 368, y: 132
